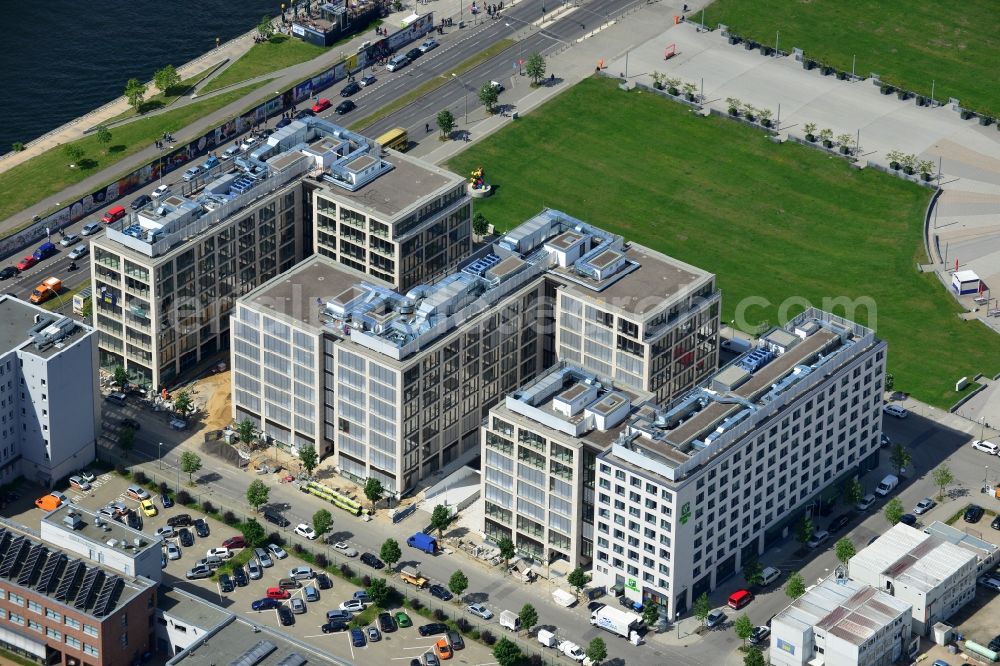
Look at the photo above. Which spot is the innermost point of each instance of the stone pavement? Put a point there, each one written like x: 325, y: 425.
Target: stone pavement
x: 966, y: 224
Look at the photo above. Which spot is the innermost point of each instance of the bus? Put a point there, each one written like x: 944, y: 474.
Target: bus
x: 396, y: 139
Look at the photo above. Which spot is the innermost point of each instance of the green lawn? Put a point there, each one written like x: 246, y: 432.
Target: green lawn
x: 907, y: 43
x: 270, y: 56
x: 770, y: 220
x: 160, y: 100
x: 49, y: 173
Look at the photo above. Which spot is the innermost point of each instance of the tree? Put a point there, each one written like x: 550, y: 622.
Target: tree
x: 190, y: 463
x: 182, y: 402
x: 743, y: 628
x: 246, y: 430
x: 578, y: 578
x: 754, y: 658
x: 795, y: 587
x: 650, y: 613
x: 253, y: 533
x: 446, y: 123
x: 845, y: 550
x: 893, y: 511
x: 390, y: 552
x: 942, y: 479
x: 308, y: 458
x: 506, y: 547
x: 322, y: 521
x: 528, y: 617
x: 506, y: 652
x: 826, y: 135
x: 17, y: 146
x: 103, y: 134
x: 535, y: 67
x: 265, y: 28
x: 440, y: 518
x: 752, y: 572
x: 853, y: 492
x: 257, y: 494
x: 702, y: 607
x: 166, y: 78
x: 480, y: 225
x: 374, y: 492
x: 804, y: 530
x: 135, y: 93
x: 899, y: 458
x: 488, y: 95
x: 458, y: 583
x: 121, y: 376
x: 126, y: 440
x: 88, y: 308
x: 378, y: 591
x: 810, y: 130
x: 597, y: 651
x: 890, y: 381
x: 73, y: 152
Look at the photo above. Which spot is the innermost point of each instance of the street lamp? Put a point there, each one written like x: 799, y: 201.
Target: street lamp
x: 455, y: 75
x: 159, y: 453
x: 677, y: 621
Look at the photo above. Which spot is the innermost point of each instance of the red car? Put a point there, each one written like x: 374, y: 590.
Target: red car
x: 322, y: 105
x: 27, y: 263
x: 234, y: 542
x: 739, y: 599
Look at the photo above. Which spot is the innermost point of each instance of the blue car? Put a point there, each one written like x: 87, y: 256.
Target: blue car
x: 265, y: 604
x: 357, y: 638
x: 167, y: 502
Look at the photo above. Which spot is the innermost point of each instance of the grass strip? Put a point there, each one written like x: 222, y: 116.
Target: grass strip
x: 276, y: 54
x: 164, y: 99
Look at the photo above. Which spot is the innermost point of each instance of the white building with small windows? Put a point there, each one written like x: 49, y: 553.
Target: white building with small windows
x: 934, y: 576
x: 49, y: 400
x: 841, y: 623
x: 688, y: 492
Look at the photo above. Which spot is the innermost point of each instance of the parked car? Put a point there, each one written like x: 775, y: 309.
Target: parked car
x: 222, y: 553
x: 397, y: 62
x: 353, y: 605
x: 321, y: 105
x: 8, y: 272
x: 840, y: 522
x: 68, y: 240
x: 265, y: 604
x: 357, y: 638
x: 440, y: 591
x: 335, y: 626
x: 865, y: 502
x: 161, y: 191
x: 276, y: 518
x: 310, y: 593
x: 167, y: 501
x: 263, y: 557
x: 760, y: 635
x: 234, y: 542
x: 90, y: 229
x: 366, y: 81
x: 908, y: 519
x: 818, y: 537
x: 480, y: 610
x: 372, y: 561
x: 403, y: 620
x: 187, y: 539
x: 180, y: 520
x: 456, y: 641
x: 306, y: 531
x: 248, y: 143
x: 428, y: 45
x: 285, y: 616
x: 137, y: 492
x: 78, y: 483
x: 990, y: 581
x: 301, y: 573
x: 924, y: 505
x: 78, y: 252
x: 973, y: 513
x: 413, y: 54
x: 297, y: 605
x: 895, y: 410
x: 996, y: 523
x: 339, y: 616
x: 173, y: 552
x: 430, y: 659
x: 288, y: 584
x: 164, y: 532
x: 277, y: 551
x: 715, y: 619
x: 240, y: 576
x: 432, y: 629
x: 323, y: 581
x: 254, y: 569
x: 986, y: 447
x: 373, y: 634
x: 201, y: 527
x: 386, y: 623
x: 226, y: 584
x: 198, y: 572
x: 26, y: 263
x: 351, y: 88
x: 191, y: 173
x: 345, y: 107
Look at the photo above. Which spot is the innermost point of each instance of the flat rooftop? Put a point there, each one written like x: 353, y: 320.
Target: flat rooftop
x: 847, y: 609
x: 298, y: 294
x: 189, y: 609
x: 259, y: 645
x: 913, y: 558
x: 17, y: 318
x: 392, y: 193
x: 103, y: 533
x: 654, y: 282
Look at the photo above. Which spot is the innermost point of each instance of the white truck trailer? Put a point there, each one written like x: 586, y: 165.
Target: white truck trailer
x: 616, y: 621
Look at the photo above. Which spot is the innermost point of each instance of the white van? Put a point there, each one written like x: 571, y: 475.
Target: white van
x: 769, y: 575
x: 546, y: 638
x: 895, y: 410
x: 397, y: 62
x: 818, y: 537
x: 886, y: 485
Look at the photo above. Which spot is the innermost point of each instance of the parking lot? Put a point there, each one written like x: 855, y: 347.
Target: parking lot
x: 397, y: 647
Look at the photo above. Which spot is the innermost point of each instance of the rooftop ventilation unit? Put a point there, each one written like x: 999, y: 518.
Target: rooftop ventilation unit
x: 756, y: 360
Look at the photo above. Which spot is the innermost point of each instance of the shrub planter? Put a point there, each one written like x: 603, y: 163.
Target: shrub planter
x: 809, y: 64
x: 985, y: 120
x: 811, y: 138
x: 765, y: 122
x: 750, y: 117
x: 908, y: 170
x: 689, y: 97
x: 658, y: 85
x: 766, y: 50
x: 673, y: 91
x: 895, y: 166
x: 842, y: 75
x: 926, y: 176
x: 826, y: 70
x: 827, y: 143
x: 734, y: 112
x: 886, y: 89
x: 844, y: 150
x: 902, y: 94
x: 967, y: 114
x: 734, y: 39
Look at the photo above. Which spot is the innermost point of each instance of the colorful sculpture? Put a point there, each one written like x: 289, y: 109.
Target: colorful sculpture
x: 478, y: 179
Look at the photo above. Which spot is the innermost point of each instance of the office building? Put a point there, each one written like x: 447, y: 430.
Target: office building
x: 408, y: 378
x: 102, y: 540
x: 405, y: 222
x: 183, y: 619
x: 935, y: 577
x: 841, y: 623
x: 49, y: 400
x: 691, y: 491
x: 57, y: 609
x: 539, y: 448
